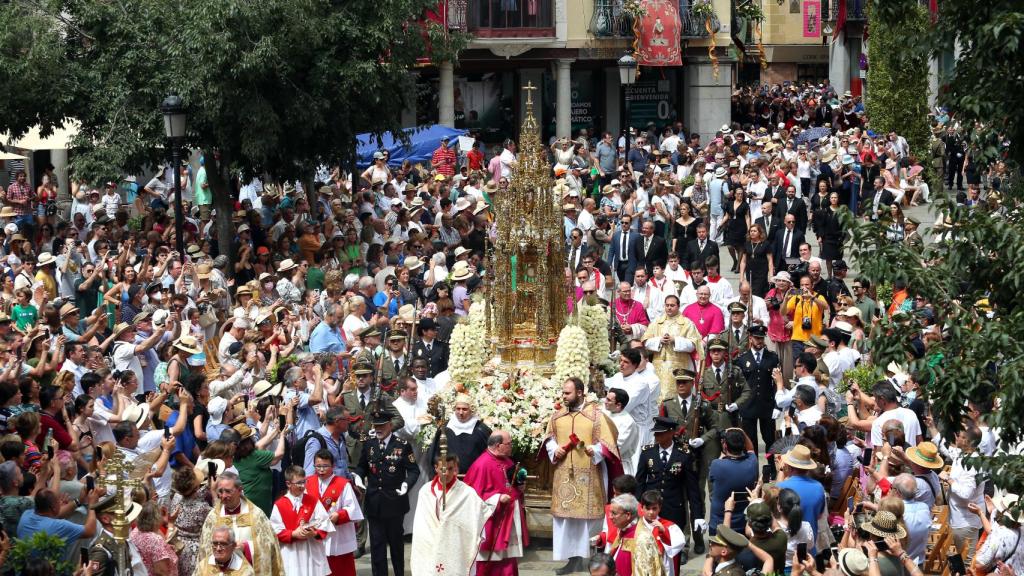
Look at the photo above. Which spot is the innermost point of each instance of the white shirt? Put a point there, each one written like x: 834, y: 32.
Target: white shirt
x: 628, y: 438
x: 907, y: 417
x: 964, y: 489
x: 650, y: 297
x: 838, y: 362
x: 585, y: 222
x: 507, y: 158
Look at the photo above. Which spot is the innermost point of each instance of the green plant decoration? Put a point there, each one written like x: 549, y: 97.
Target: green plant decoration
x: 39, y: 548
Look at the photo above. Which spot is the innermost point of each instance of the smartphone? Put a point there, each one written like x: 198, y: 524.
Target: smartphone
x: 211, y: 470
x: 90, y: 483
x: 97, y: 454
x: 280, y: 421
x: 881, y: 546
x: 866, y: 457
x: 955, y: 562
x: 801, y: 551
x: 741, y: 496
x: 49, y: 451
x: 167, y: 432
x: 245, y: 402
x: 890, y: 437
x: 83, y: 556
x: 849, y: 504
x: 767, y: 472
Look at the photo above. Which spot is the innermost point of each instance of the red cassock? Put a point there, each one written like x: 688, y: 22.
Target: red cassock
x: 293, y: 519
x: 341, y: 564
x: 489, y: 475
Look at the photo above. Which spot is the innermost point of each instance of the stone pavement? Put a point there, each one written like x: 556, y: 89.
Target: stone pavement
x: 538, y: 561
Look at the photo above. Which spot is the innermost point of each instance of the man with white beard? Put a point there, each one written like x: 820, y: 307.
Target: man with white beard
x: 615, y: 403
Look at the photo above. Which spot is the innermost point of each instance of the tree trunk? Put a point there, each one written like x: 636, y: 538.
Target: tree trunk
x: 224, y: 205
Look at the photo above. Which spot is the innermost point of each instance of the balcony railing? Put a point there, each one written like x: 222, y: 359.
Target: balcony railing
x: 694, y: 27
x: 511, y: 18
x: 854, y: 10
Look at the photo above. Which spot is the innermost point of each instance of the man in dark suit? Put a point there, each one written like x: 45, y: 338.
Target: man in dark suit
x: 650, y: 249
x: 757, y: 365
x: 389, y: 467
x: 795, y: 206
x: 700, y: 248
x: 670, y: 467
x: 787, y: 242
x: 776, y: 192
x: 624, y: 242
x: 877, y: 202
x: 430, y: 348
x: 769, y: 222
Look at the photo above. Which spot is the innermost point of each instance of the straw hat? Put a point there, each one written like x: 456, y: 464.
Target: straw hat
x: 800, y: 457
x: 925, y: 455
x: 1005, y: 502
x: 137, y: 414
x: 265, y: 388
x: 203, y: 271
x: 44, y: 259
x: 461, y: 271
x: 8, y: 212
x: 67, y: 310
x: 853, y: 562
x: 120, y: 327
x: 187, y: 343
x: 286, y: 265
x: 243, y: 429
x: 884, y: 524
x: 412, y: 263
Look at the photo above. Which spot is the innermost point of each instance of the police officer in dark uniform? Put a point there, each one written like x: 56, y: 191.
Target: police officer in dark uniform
x: 430, y: 348
x: 757, y: 365
x: 389, y: 467
x: 670, y: 468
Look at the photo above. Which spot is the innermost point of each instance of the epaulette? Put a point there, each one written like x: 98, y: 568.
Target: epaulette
x: 651, y: 445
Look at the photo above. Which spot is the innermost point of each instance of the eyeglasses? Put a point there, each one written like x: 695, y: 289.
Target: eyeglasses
x: 220, y: 544
x: 589, y: 291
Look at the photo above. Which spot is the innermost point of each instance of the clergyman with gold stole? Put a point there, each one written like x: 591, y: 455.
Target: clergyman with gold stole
x: 676, y: 343
x: 581, y: 443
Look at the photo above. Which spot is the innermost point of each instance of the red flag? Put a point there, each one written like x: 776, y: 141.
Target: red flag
x: 840, y: 20
x: 660, y: 29
x: 933, y: 9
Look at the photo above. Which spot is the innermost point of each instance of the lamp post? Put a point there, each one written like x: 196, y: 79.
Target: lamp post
x: 174, y: 128
x: 627, y: 77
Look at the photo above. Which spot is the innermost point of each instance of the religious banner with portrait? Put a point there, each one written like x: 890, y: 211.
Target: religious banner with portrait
x: 660, y: 29
x: 812, y: 18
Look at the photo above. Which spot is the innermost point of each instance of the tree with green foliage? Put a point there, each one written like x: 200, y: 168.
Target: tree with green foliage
x: 897, y: 95
x: 973, y: 278
x: 275, y: 87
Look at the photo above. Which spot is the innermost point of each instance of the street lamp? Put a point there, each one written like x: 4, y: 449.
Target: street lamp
x: 627, y: 77
x: 174, y: 128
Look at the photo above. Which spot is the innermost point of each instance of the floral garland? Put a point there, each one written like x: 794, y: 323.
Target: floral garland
x: 572, y: 358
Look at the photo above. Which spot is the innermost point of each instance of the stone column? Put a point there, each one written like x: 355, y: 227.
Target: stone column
x: 839, y: 65
x: 59, y: 159
x: 563, y: 99
x: 446, y: 95
x: 707, y: 101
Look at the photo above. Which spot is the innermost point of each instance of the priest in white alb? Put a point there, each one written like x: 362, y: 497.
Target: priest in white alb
x: 449, y: 525
x: 301, y: 524
x: 413, y: 409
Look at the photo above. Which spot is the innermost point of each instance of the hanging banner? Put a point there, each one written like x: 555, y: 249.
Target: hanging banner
x: 812, y: 18
x: 660, y: 30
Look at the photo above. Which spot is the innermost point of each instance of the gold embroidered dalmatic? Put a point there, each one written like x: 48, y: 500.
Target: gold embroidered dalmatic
x: 667, y: 359
x: 645, y: 558
x: 577, y: 488
x: 251, y: 528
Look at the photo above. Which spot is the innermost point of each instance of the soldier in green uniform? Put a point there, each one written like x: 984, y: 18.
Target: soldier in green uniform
x: 370, y: 338
x: 913, y: 237
x: 396, y: 359
x: 723, y: 385
x: 725, y: 545
x: 735, y: 332
x: 104, y: 550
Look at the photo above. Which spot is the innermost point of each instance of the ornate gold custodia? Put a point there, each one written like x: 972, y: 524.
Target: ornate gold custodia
x: 528, y: 298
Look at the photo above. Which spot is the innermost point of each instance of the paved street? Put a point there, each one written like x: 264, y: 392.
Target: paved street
x: 538, y: 559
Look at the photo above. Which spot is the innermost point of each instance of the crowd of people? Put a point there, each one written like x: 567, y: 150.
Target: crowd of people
x: 272, y: 397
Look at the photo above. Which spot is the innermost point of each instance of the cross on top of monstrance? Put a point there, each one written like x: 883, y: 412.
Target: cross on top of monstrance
x: 529, y: 88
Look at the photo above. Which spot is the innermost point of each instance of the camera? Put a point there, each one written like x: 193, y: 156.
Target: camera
x: 773, y: 303
x: 805, y: 324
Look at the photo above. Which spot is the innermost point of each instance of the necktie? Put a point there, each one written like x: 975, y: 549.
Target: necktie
x: 647, y: 245
x: 718, y: 374
x: 757, y: 358
x: 398, y: 365
x: 767, y: 223
x: 572, y: 258
x: 664, y: 457
x: 700, y: 246
x: 429, y: 347
x: 737, y: 332
x: 362, y: 401
x: 625, y: 244
x: 789, y: 204
x: 785, y: 244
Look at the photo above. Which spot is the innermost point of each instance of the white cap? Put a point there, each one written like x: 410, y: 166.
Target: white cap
x: 216, y: 408
x: 11, y: 228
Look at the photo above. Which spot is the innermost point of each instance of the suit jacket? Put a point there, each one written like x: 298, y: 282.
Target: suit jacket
x: 798, y: 209
x: 616, y: 252
x: 677, y: 480
x: 657, y: 254
x: 773, y: 229
x: 695, y: 254
x: 359, y: 429
x: 437, y: 356
x: 759, y: 380
x: 779, y: 254
x: 385, y: 468
x: 867, y: 202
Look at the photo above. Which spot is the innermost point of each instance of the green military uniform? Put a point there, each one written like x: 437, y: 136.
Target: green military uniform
x: 104, y: 549
x: 392, y: 368
x: 736, y: 543
x: 913, y: 239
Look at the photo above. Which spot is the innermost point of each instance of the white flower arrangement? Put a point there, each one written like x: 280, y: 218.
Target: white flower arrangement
x: 594, y: 321
x: 466, y: 353
x: 572, y: 358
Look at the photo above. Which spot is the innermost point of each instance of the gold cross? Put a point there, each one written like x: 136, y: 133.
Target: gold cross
x: 529, y: 93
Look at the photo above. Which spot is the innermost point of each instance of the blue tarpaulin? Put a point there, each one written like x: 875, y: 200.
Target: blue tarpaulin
x: 422, y: 143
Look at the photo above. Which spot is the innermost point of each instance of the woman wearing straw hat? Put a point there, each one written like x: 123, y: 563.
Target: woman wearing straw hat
x: 178, y: 369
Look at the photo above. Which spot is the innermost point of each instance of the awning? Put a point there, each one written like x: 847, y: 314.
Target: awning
x: 59, y: 140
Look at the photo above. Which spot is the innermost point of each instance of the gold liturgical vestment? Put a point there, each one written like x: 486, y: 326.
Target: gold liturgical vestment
x: 252, y: 529
x: 638, y: 543
x: 666, y: 358
x: 577, y: 489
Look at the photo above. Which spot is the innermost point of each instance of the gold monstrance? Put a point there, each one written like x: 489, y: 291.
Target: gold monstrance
x: 528, y: 291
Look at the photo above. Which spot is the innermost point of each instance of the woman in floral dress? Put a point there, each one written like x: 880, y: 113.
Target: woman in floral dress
x: 188, y: 511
